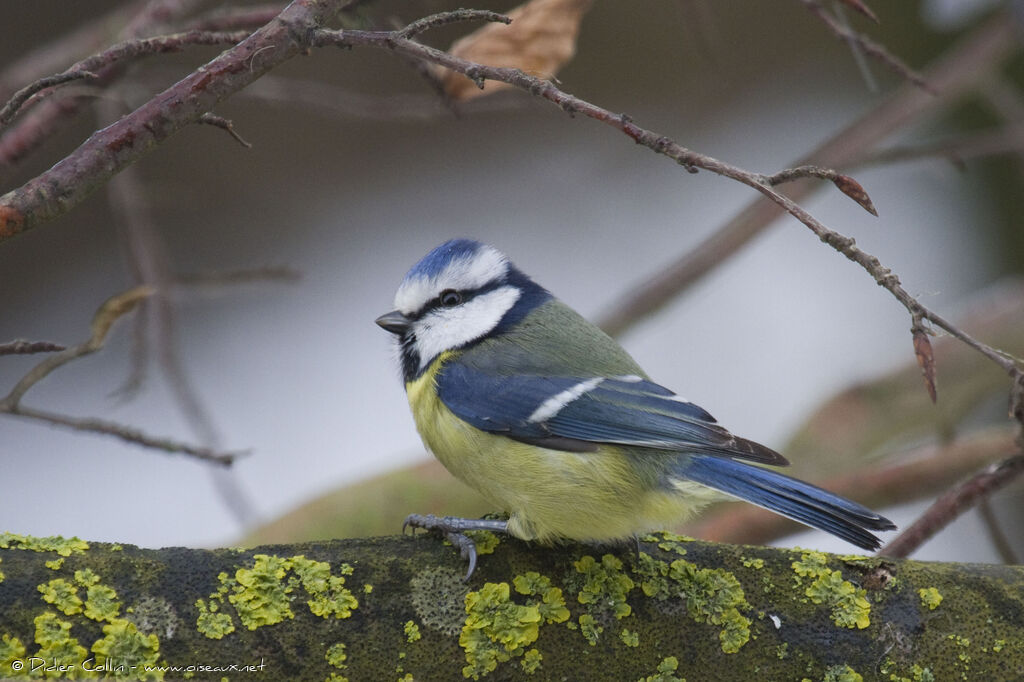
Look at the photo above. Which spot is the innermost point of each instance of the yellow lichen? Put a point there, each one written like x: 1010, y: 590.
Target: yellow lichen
x: 11, y: 650
x: 336, y: 655
x: 849, y: 605
x: 56, y: 645
x: 128, y: 649
x: 62, y: 546
x: 930, y: 597
x: 666, y: 672
x: 531, y: 661
x: 412, y: 632
x: 261, y: 594
x: 62, y: 595
x: 486, y: 541
x: 211, y: 623
x: 551, y: 603
x: 842, y: 673
x: 496, y: 629
x: 629, y: 638
x: 589, y: 628
x: 711, y: 595
x: 101, y: 603
x: 605, y: 585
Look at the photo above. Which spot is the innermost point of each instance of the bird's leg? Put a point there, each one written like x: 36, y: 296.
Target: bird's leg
x: 454, y: 528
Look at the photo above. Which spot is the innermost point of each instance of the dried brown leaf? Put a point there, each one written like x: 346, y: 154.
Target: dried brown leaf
x: 925, y: 360
x: 540, y: 40
x: 113, y: 308
x: 853, y: 189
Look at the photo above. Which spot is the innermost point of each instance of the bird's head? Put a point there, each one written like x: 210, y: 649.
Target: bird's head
x: 458, y: 294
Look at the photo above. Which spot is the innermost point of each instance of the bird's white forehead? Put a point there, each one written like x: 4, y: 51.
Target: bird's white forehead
x: 463, y: 272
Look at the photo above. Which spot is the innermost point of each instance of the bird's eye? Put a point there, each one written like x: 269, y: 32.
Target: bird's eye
x: 450, y: 298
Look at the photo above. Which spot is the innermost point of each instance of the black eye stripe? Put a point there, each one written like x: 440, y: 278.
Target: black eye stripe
x: 467, y: 295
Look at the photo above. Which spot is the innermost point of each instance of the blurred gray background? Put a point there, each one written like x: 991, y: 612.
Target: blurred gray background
x: 298, y: 372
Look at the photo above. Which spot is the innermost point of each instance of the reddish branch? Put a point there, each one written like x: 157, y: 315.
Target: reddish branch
x: 130, y: 49
x: 954, y: 503
x: 124, y: 142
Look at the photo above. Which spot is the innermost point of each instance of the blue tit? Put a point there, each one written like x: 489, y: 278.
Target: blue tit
x: 555, y: 424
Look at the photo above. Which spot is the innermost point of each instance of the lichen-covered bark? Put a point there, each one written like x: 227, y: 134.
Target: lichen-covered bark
x: 396, y: 608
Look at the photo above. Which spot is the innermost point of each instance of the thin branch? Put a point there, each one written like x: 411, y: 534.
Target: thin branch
x: 111, y: 310
x: 138, y: 19
x: 955, y: 74
x: 18, y: 99
x: 108, y: 151
x: 127, y: 434
x: 86, y: 38
x: 954, y: 503
x: 873, y: 49
x: 224, y: 124
x: 129, y: 49
x: 446, y: 18
x: 22, y: 347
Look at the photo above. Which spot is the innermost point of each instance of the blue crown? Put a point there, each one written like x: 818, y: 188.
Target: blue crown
x: 437, y: 260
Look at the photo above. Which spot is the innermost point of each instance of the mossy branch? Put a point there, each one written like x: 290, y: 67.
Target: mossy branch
x: 397, y: 608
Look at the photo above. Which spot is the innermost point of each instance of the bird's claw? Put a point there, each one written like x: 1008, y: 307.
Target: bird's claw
x: 452, y: 528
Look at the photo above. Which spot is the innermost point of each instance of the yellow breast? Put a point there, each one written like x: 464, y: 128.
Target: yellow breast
x: 548, y: 494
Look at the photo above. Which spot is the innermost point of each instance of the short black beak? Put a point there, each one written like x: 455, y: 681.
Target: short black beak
x: 395, y: 322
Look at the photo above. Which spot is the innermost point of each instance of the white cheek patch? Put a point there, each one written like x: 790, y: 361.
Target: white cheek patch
x: 463, y: 274
x: 446, y: 328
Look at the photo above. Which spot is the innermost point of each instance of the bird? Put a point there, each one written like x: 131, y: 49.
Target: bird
x: 559, y: 428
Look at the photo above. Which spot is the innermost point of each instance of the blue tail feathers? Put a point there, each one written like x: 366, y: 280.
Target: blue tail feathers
x: 787, y: 496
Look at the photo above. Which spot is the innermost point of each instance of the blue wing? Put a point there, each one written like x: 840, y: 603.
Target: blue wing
x: 578, y: 413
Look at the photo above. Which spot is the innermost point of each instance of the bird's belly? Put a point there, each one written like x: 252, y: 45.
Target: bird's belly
x: 552, y: 494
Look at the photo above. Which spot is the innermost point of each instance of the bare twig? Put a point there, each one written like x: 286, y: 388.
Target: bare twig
x: 954, y: 503
x: 224, y: 124
x: 125, y: 141
x: 129, y: 49
x: 127, y: 434
x: 445, y: 18
x: 954, y: 75
x: 18, y: 99
x: 22, y: 347
x: 869, y: 46
x: 108, y: 313
x: 42, y: 121
x: 51, y: 56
